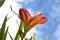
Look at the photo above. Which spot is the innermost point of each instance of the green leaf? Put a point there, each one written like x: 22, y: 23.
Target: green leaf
x: 46, y: 38
x: 1, y: 2
x: 34, y: 37
x: 10, y: 36
x: 21, y: 26
x: 2, y: 30
x: 30, y: 38
x: 5, y: 35
x: 17, y: 37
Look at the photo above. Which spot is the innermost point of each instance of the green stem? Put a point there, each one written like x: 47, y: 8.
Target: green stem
x: 17, y: 36
x: 21, y: 38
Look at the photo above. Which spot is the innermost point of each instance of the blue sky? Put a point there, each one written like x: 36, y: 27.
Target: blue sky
x: 49, y: 8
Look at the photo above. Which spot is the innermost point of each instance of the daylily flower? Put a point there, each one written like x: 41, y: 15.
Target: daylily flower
x: 30, y: 21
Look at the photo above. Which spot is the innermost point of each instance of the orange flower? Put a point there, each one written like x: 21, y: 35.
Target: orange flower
x: 30, y: 21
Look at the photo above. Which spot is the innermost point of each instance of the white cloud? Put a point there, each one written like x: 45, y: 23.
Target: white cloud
x: 55, y: 11
x: 54, y: 14
x: 28, y: 1
x: 31, y: 11
x: 57, y: 33
x: 57, y: 1
x: 19, y: 0
x: 53, y: 7
x: 24, y: 1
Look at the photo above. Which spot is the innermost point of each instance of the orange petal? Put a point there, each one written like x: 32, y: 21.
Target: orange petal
x: 42, y: 20
x: 35, y: 20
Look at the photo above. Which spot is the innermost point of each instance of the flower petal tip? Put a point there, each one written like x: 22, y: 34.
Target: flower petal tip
x: 43, y: 20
